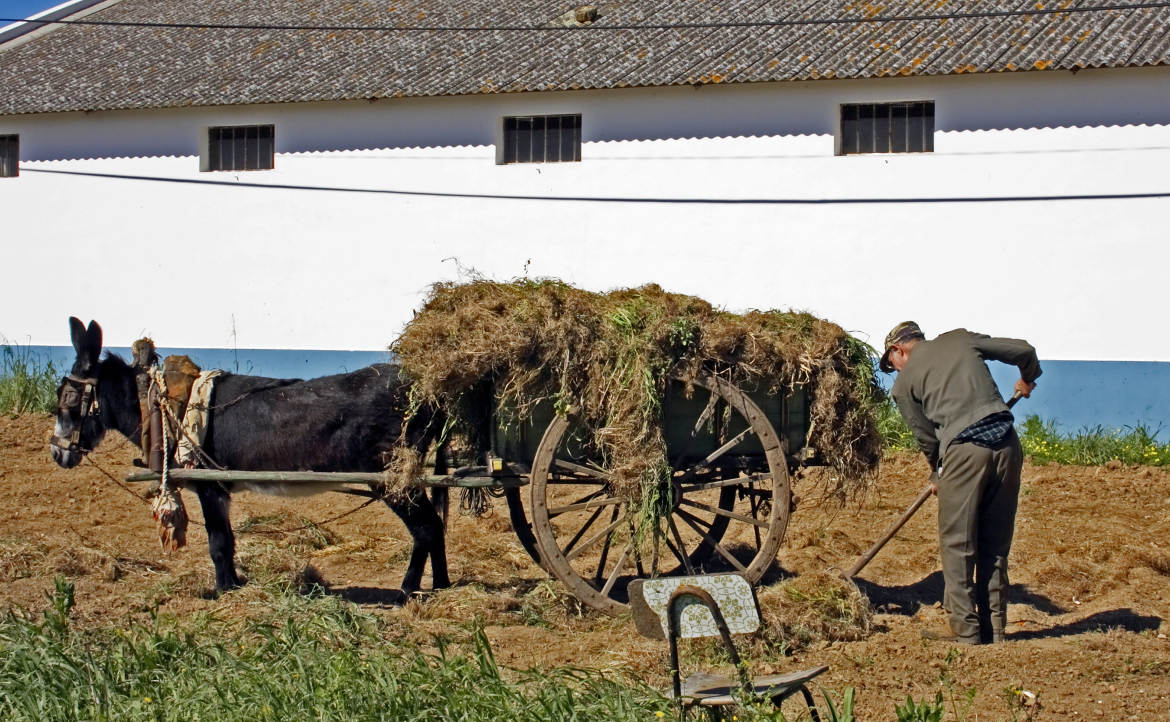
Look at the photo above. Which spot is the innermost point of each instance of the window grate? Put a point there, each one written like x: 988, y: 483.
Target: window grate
x: 241, y: 147
x: 887, y: 127
x: 9, y: 156
x: 542, y: 139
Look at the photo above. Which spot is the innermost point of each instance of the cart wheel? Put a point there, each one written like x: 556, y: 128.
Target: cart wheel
x: 724, y: 509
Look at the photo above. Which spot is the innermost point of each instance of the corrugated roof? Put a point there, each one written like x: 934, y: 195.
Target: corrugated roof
x: 460, y: 47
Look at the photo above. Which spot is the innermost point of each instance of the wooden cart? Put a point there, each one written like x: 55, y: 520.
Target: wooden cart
x: 725, y: 507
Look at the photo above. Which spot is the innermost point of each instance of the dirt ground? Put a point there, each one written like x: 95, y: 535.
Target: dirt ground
x: 1090, y: 571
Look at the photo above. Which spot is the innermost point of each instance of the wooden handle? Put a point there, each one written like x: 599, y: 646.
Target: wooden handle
x: 873, y: 550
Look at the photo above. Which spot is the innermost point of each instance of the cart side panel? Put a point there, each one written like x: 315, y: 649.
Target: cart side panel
x: 789, y: 416
x: 796, y: 421
x: 517, y: 441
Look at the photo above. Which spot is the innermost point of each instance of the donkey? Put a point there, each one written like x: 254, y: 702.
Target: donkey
x: 347, y: 422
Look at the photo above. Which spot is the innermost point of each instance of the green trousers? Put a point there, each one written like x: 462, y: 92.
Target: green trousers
x: 978, y: 492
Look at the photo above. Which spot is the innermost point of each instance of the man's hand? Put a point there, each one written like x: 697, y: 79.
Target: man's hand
x: 1023, y: 388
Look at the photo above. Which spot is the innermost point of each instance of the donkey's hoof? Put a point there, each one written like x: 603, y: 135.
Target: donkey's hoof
x: 228, y: 585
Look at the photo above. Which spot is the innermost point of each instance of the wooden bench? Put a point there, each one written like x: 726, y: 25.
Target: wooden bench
x: 711, y: 605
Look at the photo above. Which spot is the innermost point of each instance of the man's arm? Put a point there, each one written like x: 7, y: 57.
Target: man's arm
x: 1012, y: 351
x: 922, y: 428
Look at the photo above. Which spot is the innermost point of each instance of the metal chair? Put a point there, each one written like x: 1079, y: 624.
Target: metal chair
x: 710, y: 605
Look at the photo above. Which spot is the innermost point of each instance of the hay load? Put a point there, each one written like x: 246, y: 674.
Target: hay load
x: 609, y: 357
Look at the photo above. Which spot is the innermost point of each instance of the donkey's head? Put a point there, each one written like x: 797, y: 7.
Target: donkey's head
x: 79, y: 427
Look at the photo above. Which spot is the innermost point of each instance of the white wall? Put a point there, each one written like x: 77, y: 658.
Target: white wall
x: 339, y: 268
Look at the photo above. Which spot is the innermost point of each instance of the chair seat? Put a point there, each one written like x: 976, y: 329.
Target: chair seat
x: 713, y: 690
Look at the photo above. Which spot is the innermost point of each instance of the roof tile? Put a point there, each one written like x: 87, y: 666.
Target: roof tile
x: 87, y: 67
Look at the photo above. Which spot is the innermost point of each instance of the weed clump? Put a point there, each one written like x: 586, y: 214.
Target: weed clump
x: 1044, y: 444
x: 812, y: 608
x: 28, y: 384
x: 610, y: 357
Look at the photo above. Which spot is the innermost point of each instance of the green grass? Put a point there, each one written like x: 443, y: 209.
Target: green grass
x: 896, y: 435
x: 27, y: 383
x: 1043, y: 443
x: 294, y: 656
x: 300, y: 657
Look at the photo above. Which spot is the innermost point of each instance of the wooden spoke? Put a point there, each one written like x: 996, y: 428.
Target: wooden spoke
x: 716, y: 454
x: 709, y: 524
x: 581, y: 532
x: 727, y: 447
x: 725, y: 513
x: 617, y: 568
x: 682, y: 547
x: 682, y: 560
x: 605, y: 548
x: 690, y: 520
x: 575, y: 481
x: 573, y: 553
x: 588, y: 497
x: 584, y: 506
x: 705, y: 485
x: 588, y: 471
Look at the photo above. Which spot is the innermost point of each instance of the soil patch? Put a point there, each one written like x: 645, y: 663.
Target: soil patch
x: 1090, y: 573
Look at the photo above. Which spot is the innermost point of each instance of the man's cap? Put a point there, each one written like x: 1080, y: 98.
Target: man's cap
x: 903, y: 332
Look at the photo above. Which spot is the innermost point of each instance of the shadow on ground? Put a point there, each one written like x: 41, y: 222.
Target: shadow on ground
x: 370, y: 596
x: 1126, y: 619
x: 909, y: 599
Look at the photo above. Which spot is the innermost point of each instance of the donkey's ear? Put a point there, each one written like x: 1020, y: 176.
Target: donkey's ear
x: 94, y: 337
x: 78, y: 333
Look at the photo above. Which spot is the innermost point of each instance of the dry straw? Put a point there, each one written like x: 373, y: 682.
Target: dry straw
x: 610, y: 357
x: 811, y: 608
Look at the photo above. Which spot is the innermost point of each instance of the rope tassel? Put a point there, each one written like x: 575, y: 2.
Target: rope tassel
x: 171, y: 516
x: 167, y: 509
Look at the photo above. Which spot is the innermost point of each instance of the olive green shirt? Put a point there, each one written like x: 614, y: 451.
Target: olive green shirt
x: 946, y: 386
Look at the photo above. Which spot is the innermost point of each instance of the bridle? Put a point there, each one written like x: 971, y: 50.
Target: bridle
x: 76, y: 394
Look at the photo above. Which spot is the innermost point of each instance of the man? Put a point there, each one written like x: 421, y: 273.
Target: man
x: 948, y: 398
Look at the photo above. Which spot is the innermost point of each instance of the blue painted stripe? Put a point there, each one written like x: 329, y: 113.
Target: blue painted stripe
x: 1075, y: 394
x: 274, y: 363
x: 1086, y: 394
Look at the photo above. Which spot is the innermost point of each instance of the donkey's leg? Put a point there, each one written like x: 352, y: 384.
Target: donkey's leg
x: 221, y: 542
x: 426, y: 529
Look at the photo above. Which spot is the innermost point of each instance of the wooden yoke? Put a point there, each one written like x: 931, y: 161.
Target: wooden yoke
x: 179, y: 373
x: 177, y: 376
x: 150, y: 417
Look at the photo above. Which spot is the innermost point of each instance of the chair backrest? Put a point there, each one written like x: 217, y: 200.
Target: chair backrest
x: 733, y: 594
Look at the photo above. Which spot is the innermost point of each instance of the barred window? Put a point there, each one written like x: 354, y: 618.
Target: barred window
x: 887, y: 128
x: 9, y: 156
x: 240, y: 147
x: 542, y: 139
